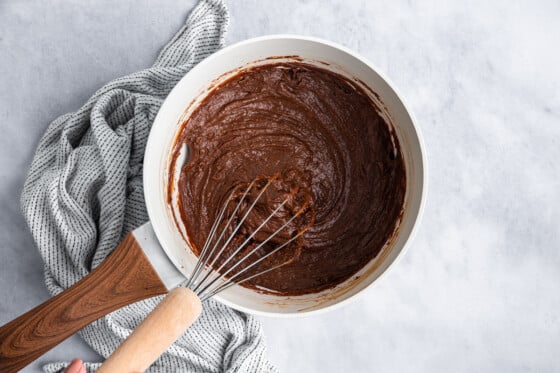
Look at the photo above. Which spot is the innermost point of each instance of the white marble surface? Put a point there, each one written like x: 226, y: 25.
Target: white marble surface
x: 478, y: 290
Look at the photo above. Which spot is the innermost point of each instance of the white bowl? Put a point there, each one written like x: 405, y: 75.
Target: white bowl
x: 325, y: 54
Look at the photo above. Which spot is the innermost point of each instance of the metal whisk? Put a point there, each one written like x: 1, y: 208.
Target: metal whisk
x: 215, y: 281
x: 182, y: 306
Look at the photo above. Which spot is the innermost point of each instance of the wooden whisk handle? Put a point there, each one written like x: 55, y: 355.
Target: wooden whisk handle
x: 167, y: 322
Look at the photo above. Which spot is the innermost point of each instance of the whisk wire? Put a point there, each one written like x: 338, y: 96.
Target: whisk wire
x: 232, y: 280
x: 254, y: 250
x: 231, y: 283
x: 205, y: 255
x: 211, y: 282
x: 235, y: 230
x: 207, y: 243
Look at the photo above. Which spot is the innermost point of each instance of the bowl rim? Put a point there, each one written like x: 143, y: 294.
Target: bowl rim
x: 424, y: 181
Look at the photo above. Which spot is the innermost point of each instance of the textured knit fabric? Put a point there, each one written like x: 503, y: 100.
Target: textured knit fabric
x: 84, y: 193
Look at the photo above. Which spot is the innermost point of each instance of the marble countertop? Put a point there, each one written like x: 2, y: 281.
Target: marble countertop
x: 478, y: 289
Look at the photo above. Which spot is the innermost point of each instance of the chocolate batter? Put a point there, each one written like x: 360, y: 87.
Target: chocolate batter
x: 321, y: 141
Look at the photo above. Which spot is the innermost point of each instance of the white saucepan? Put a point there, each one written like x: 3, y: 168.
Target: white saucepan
x: 140, y: 268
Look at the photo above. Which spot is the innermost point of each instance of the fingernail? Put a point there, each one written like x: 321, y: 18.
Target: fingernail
x: 75, y: 366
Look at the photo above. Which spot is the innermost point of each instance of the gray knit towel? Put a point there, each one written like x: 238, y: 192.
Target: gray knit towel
x: 84, y: 193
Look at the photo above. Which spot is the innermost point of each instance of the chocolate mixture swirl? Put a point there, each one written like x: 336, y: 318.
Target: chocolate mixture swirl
x: 317, y: 131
